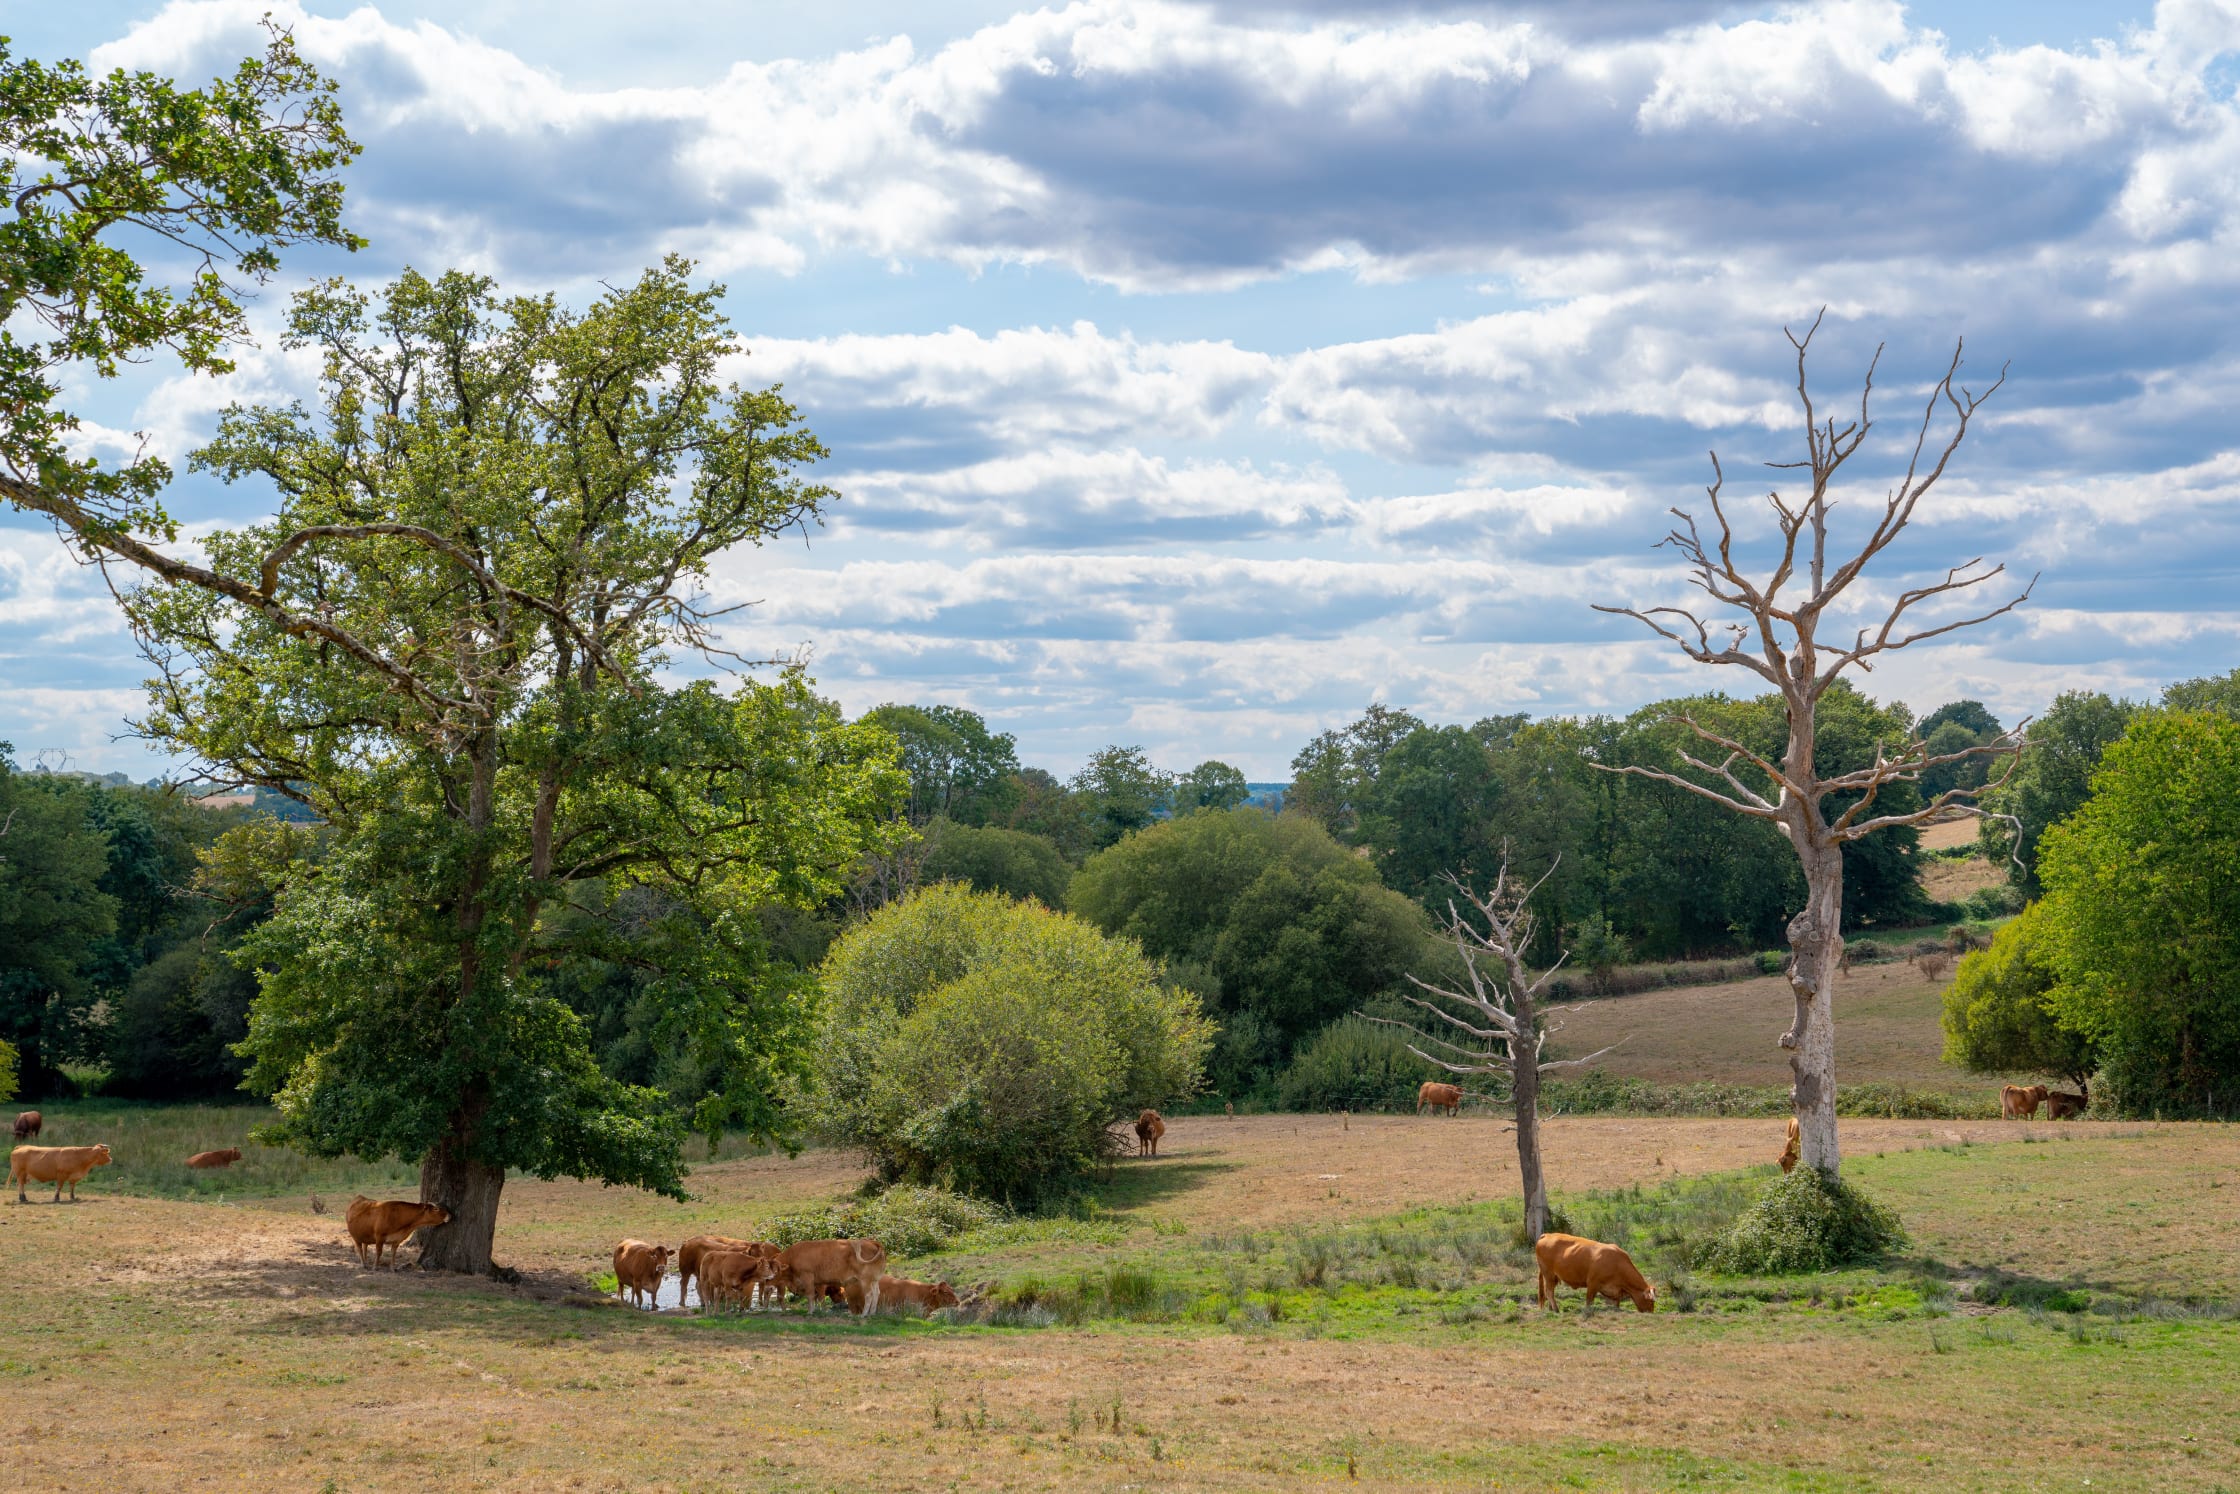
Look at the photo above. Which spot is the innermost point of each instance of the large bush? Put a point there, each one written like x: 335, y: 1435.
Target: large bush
x: 1807, y: 1221
x: 1998, y: 1015
x: 988, y: 1046
x: 1353, y: 1064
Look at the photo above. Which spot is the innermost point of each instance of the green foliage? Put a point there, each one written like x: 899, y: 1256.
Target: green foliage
x: 53, y: 916
x: 1807, y: 1221
x: 231, y: 174
x: 1353, y: 1064
x: 2217, y: 692
x: 1210, y: 785
x: 959, y: 770
x: 2052, y: 780
x: 7, y: 1070
x: 906, y: 1220
x: 993, y: 859
x: 1599, y: 949
x: 2141, y: 918
x: 987, y: 1046
x: 175, y: 1025
x: 1599, y: 1093
x: 1431, y: 811
x: 477, y: 577
x: 1120, y: 792
x: 1291, y: 927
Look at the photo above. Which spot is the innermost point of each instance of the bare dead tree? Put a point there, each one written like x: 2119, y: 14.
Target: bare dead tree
x: 1778, y: 639
x: 1499, y: 1019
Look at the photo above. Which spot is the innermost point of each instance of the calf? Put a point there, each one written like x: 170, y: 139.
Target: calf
x: 689, y: 1256
x: 899, y: 1292
x: 2021, y: 1101
x: 386, y: 1226
x: 2061, y: 1105
x: 1789, y: 1152
x: 638, y: 1269
x: 226, y: 1158
x: 728, y: 1273
x: 1601, y: 1270
x: 29, y: 1124
x: 1150, y: 1126
x: 56, y: 1165
x: 810, y: 1267
x: 1437, y: 1096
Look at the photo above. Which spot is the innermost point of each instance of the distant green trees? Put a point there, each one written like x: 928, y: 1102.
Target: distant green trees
x: 989, y: 858
x: 990, y: 1046
x: 2051, y: 781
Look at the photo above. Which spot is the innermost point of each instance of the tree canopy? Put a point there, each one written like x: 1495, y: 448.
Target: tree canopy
x: 1999, y: 1016
x: 2052, y: 780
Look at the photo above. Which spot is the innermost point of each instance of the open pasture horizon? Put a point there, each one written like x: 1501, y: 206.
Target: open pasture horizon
x: 240, y: 1342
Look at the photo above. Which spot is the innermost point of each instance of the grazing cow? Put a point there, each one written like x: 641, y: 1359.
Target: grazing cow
x: 226, y: 1158
x: 1150, y: 1126
x: 1437, y: 1096
x: 29, y: 1124
x: 386, y: 1226
x: 742, y: 1274
x: 2021, y: 1101
x: 2061, y: 1105
x: 807, y: 1269
x: 56, y: 1165
x: 1601, y: 1270
x: 1789, y: 1152
x: 638, y: 1269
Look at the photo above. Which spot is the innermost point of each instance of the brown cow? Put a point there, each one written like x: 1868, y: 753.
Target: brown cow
x: 638, y: 1269
x: 29, y: 1124
x: 1437, y: 1096
x: 1150, y: 1126
x: 56, y: 1165
x: 726, y: 1274
x: 1789, y: 1152
x: 1601, y: 1270
x: 386, y: 1226
x: 2061, y: 1105
x: 690, y: 1252
x: 2021, y: 1101
x: 898, y: 1292
x: 808, y: 1268
x: 226, y: 1158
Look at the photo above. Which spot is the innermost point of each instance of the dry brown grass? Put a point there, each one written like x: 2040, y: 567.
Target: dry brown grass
x: 191, y: 1345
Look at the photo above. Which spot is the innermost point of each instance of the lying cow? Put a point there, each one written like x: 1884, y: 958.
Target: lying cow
x: 2061, y: 1105
x: 809, y: 1268
x: 29, y: 1124
x: 1150, y: 1126
x: 2021, y: 1101
x: 386, y: 1226
x: 56, y: 1165
x: 638, y: 1269
x: 1598, y: 1269
x: 897, y: 1293
x: 226, y: 1158
x: 741, y: 1275
x: 1437, y: 1096
x: 1789, y: 1153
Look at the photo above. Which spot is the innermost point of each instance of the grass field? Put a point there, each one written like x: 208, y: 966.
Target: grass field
x: 1276, y: 1301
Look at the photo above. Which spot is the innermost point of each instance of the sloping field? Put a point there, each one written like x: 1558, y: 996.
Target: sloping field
x: 165, y: 1344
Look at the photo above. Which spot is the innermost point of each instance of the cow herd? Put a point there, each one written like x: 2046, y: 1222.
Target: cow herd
x: 67, y: 1166
x: 743, y: 1274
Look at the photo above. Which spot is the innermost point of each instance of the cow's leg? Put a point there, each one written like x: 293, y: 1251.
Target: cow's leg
x: 871, y: 1297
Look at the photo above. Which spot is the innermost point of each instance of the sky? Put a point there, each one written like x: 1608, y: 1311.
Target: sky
x: 1197, y: 374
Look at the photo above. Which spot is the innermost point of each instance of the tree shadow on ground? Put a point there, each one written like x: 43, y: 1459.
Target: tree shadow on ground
x: 1132, y: 1184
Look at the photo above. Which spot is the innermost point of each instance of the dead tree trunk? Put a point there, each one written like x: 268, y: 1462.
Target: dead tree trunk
x: 1778, y: 639
x: 1498, y: 1019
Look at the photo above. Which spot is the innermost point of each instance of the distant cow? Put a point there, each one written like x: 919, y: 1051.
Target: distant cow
x: 638, y: 1269
x: 743, y: 1274
x: 1789, y: 1152
x: 2061, y: 1105
x: 1150, y: 1126
x: 386, y: 1226
x: 1437, y: 1096
x: 1600, y: 1270
x: 897, y: 1292
x: 226, y: 1158
x: 2021, y: 1101
x: 808, y: 1268
x: 56, y: 1165
x: 29, y: 1124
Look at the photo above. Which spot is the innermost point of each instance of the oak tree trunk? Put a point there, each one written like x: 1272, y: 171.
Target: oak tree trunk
x: 1816, y: 949
x: 469, y: 1189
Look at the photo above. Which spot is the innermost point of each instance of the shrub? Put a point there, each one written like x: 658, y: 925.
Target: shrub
x: 1772, y: 961
x: 1353, y: 1065
x: 1807, y: 1221
x: 1994, y: 902
x: 907, y: 1220
x: 7, y: 1071
x: 988, y: 1046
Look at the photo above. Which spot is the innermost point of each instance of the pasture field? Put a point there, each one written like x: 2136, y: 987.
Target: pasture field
x: 1277, y: 1300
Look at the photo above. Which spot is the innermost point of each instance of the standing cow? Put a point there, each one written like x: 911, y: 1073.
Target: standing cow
x: 2021, y: 1101
x: 56, y: 1165
x: 1150, y: 1126
x: 386, y: 1226
x: 1437, y: 1096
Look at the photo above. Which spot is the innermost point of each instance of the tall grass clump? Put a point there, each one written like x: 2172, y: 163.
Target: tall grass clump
x: 1807, y: 1221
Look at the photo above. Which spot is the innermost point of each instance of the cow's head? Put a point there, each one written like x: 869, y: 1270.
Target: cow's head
x: 1644, y: 1300
x: 101, y: 1153
x: 661, y: 1254
x: 943, y: 1295
x: 434, y: 1216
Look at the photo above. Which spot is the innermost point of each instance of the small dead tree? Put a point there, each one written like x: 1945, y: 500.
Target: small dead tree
x: 1499, y: 1018
x: 1779, y: 641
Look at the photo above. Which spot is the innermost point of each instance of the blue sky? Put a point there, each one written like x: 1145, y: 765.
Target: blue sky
x: 1197, y: 373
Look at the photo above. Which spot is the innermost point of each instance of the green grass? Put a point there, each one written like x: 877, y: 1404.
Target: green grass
x: 151, y: 1143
